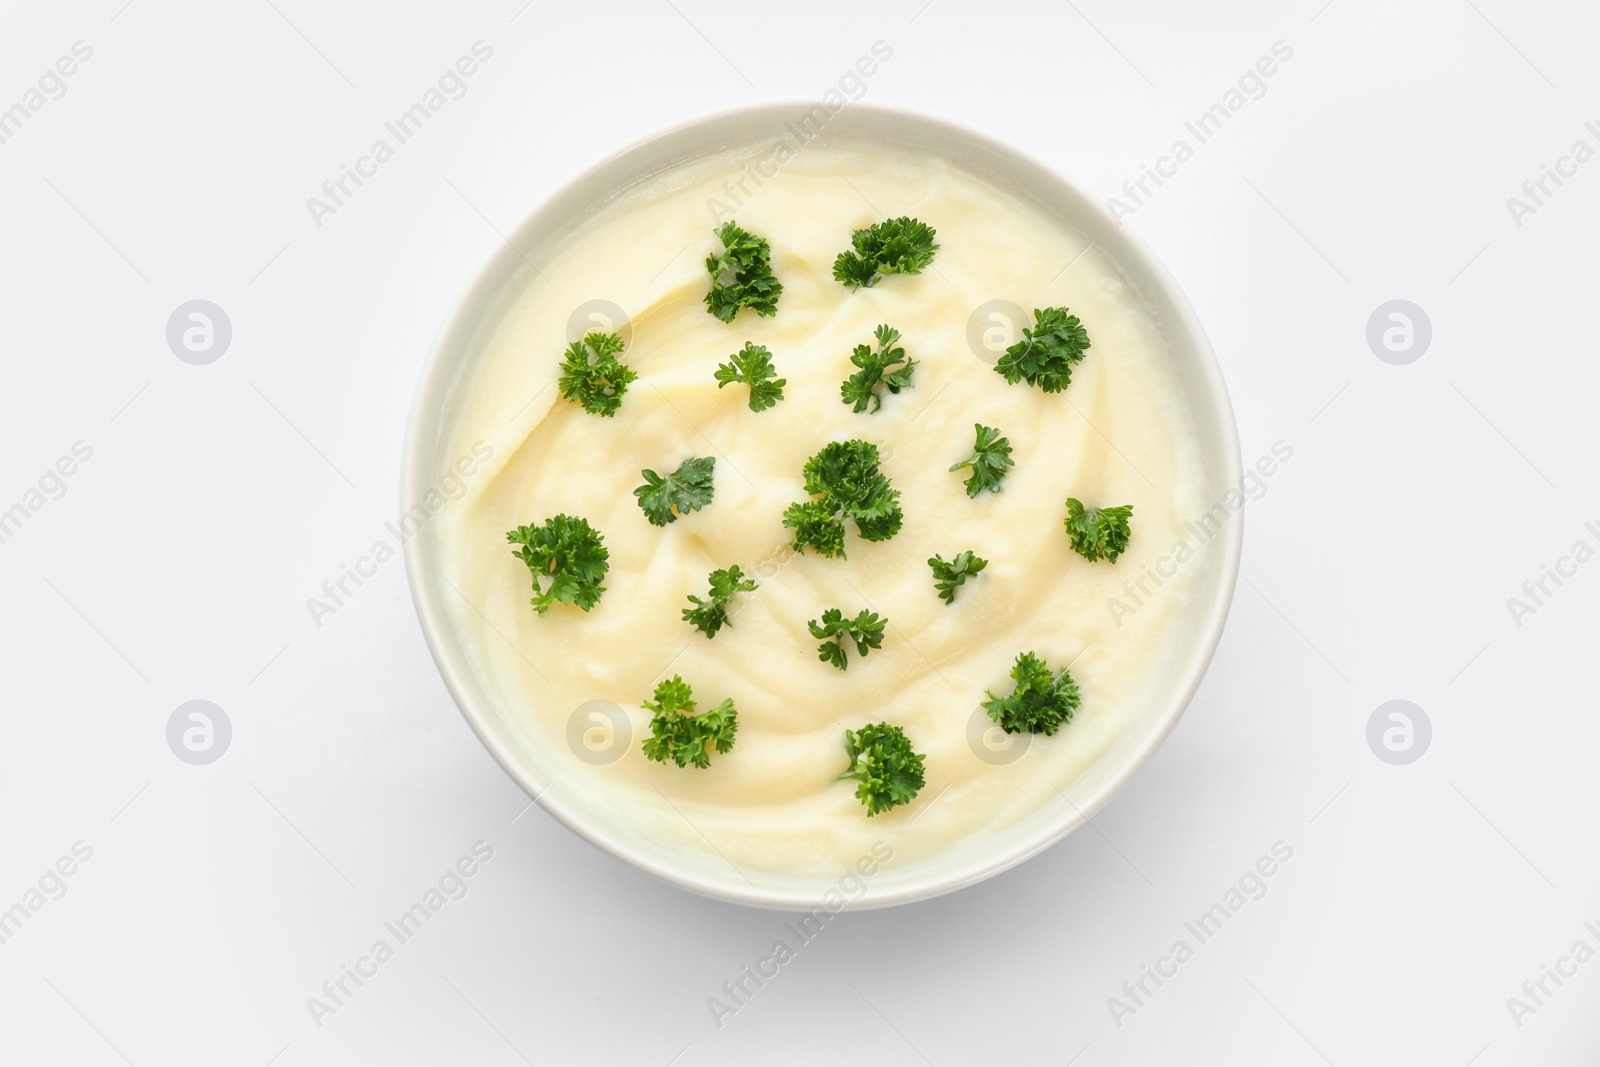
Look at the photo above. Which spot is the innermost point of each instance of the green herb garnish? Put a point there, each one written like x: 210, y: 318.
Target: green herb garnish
x: 568, y: 553
x: 815, y: 523
x: 742, y: 276
x: 1047, y: 353
x: 844, y: 482
x: 889, y: 773
x: 1040, y: 701
x: 895, y: 246
x: 991, y: 459
x: 752, y: 365
x: 679, y: 735
x: 866, y: 630
x: 861, y: 388
x: 946, y: 576
x: 593, y: 376
x: 689, y: 488
x: 1098, y: 533
x: 710, y: 615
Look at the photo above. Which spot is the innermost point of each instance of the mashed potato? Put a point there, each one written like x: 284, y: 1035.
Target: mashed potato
x: 1122, y: 433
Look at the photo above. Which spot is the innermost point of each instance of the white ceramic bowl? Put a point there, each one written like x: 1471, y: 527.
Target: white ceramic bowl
x: 980, y: 855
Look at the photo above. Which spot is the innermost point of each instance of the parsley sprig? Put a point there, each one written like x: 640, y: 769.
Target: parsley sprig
x: 990, y: 460
x: 593, y: 376
x: 894, y: 246
x: 861, y: 388
x: 1098, y: 533
x: 1047, y: 353
x: 567, y: 553
x: 845, y: 484
x: 815, y: 523
x: 711, y: 614
x: 1040, y: 702
x: 882, y: 762
x: 865, y: 631
x: 679, y: 735
x: 667, y: 498
x: 752, y: 365
x: 948, y: 575
x: 741, y: 277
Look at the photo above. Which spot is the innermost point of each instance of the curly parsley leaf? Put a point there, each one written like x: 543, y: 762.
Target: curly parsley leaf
x: 1039, y: 703
x: 593, y: 376
x: 894, y: 246
x: 991, y: 459
x: 741, y: 277
x: 567, y: 553
x: 946, y: 576
x: 845, y: 484
x: 1047, y: 353
x: 816, y: 523
x: 1098, y: 533
x: 711, y: 614
x: 865, y: 630
x: 854, y: 271
x: 883, y: 764
x: 861, y: 388
x: 689, y: 488
x: 679, y: 735
x: 752, y: 365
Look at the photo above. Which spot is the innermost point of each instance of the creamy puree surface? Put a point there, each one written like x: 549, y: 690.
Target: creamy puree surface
x: 1121, y: 433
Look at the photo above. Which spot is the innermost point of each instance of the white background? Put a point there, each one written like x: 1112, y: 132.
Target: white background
x: 178, y: 563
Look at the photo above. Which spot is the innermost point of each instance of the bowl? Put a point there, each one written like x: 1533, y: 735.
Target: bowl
x: 978, y: 856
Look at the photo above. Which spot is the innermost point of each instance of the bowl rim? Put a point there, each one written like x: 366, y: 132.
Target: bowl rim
x: 418, y: 474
